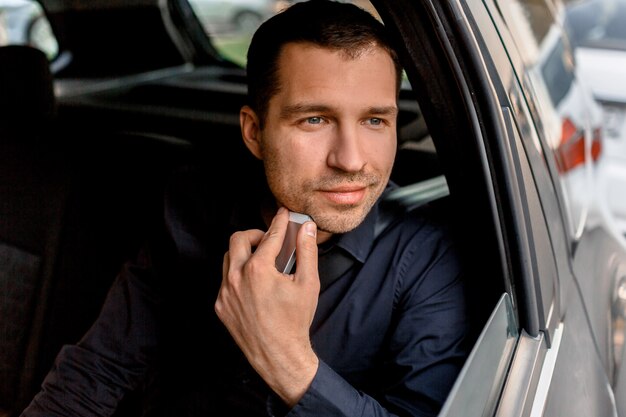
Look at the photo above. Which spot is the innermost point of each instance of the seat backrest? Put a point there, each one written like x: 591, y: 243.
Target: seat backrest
x: 33, y: 190
x: 71, y: 212
x: 26, y: 88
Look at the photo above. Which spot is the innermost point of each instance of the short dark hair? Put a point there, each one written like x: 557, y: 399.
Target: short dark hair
x: 326, y: 23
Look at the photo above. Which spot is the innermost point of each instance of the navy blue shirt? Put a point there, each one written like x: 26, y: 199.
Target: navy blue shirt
x: 390, y: 327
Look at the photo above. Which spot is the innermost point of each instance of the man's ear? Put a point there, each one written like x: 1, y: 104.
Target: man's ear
x: 250, y: 130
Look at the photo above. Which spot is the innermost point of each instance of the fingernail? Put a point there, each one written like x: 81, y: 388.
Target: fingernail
x: 281, y: 209
x: 310, y: 229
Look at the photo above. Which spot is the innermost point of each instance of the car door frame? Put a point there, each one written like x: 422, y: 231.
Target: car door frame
x: 479, y: 65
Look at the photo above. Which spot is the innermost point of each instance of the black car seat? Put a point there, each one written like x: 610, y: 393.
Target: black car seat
x: 75, y: 203
x: 33, y: 192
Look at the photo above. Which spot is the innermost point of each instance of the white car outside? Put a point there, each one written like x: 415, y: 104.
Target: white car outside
x: 605, y: 72
x: 233, y: 15
x: 599, y: 28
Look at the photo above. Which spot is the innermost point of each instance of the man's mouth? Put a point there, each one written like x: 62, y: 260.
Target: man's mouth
x: 349, y: 195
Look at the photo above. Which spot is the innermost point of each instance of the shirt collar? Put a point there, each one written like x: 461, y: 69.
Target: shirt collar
x: 358, y: 242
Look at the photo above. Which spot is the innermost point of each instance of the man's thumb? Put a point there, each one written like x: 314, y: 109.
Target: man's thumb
x: 306, y: 250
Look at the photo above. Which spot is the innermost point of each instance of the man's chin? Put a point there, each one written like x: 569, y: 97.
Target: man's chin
x: 339, y: 223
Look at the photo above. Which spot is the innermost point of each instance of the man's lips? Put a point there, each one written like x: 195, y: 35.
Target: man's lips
x: 345, y: 195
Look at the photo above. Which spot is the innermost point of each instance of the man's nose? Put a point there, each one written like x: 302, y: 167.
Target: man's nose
x: 346, y: 152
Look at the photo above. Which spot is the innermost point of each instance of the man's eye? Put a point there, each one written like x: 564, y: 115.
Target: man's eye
x: 375, y: 121
x: 314, y: 120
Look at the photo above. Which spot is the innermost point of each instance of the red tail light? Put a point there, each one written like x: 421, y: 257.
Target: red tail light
x: 571, y: 150
x: 596, y: 144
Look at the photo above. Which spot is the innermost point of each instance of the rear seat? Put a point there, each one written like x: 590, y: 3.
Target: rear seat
x: 74, y: 205
x: 33, y: 191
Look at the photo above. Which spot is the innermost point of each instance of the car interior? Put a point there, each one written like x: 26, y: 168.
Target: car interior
x: 89, y: 139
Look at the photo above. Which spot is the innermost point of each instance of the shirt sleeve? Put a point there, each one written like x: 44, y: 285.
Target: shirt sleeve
x: 89, y: 378
x: 331, y: 396
x: 426, y: 351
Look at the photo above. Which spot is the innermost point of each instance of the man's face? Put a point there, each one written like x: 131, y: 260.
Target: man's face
x: 329, y: 138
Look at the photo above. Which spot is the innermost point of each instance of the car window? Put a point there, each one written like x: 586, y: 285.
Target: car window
x: 494, y: 347
x: 566, y: 135
x: 23, y: 22
x: 231, y: 23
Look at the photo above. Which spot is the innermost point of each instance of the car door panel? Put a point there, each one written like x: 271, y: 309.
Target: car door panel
x: 540, y: 381
x: 579, y: 386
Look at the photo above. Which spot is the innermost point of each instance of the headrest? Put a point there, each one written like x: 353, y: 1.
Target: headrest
x: 26, y: 87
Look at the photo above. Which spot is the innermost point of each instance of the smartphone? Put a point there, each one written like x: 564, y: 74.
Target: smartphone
x: 287, y: 256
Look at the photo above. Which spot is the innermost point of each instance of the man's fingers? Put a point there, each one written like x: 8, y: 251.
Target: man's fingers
x: 306, y: 251
x: 272, y: 241
x: 241, y: 246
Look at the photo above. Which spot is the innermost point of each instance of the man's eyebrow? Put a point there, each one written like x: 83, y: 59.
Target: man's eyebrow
x: 384, y: 110
x: 299, y: 108
x: 295, y: 109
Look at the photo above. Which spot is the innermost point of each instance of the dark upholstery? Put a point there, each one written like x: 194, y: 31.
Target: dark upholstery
x: 26, y: 91
x: 33, y: 188
x: 76, y: 201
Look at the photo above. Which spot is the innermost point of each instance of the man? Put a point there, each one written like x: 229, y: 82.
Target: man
x: 370, y: 323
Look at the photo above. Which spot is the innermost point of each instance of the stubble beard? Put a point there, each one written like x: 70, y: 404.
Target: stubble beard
x: 334, y: 218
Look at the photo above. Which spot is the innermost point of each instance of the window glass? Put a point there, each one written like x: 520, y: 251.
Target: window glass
x: 565, y: 133
x: 231, y: 23
x: 23, y: 22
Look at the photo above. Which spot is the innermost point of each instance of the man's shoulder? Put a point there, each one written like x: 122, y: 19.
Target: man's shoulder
x: 427, y: 221
x: 197, y: 207
x: 419, y: 251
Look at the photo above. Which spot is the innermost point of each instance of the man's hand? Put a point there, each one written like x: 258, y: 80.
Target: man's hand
x: 269, y: 313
